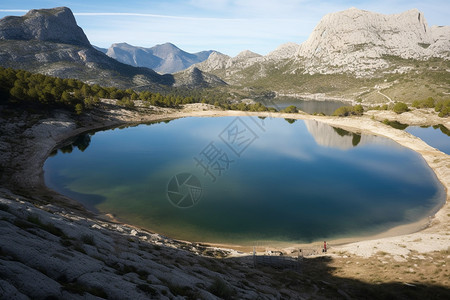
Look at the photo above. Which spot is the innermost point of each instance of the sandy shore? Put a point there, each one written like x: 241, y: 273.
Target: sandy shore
x: 427, y: 235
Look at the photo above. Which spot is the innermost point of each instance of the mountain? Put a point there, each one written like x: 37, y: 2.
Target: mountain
x: 353, y: 54
x: 49, y: 41
x: 355, y: 40
x: 165, y: 58
x: 194, y: 78
x: 50, y: 25
x: 103, y: 50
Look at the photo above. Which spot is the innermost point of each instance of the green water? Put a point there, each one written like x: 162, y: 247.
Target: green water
x: 266, y: 179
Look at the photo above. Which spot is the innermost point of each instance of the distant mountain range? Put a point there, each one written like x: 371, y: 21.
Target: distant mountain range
x: 352, y: 54
x: 165, y: 58
x: 353, y: 41
x: 49, y: 41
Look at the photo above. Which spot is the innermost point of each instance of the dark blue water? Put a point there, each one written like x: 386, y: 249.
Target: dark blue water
x: 435, y: 136
x: 257, y: 179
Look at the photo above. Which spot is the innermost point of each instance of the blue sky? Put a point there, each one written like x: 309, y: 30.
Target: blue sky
x: 228, y: 26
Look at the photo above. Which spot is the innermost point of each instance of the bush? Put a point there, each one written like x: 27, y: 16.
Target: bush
x: 358, y: 110
x: 345, y: 111
x: 290, y: 109
x: 79, y: 108
x: 427, y: 103
x: 400, y: 107
x: 443, y: 108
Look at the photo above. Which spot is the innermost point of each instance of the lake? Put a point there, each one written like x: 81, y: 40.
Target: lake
x: 435, y: 136
x: 326, y: 107
x: 246, y: 179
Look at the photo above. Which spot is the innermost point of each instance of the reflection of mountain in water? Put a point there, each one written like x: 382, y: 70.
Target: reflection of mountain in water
x: 328, y: 136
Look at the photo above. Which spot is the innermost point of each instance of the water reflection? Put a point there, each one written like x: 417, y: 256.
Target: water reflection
x: 81, y: 142
x: 332, y: 137
x: 326, y: 107
x: 290, y: 121
x: 395, y: 124
x: 435, y: 136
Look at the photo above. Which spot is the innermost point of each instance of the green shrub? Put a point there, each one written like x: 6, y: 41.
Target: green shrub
x: 78, y: 108
x: 345, y: 111
x: 126, y: 102
x: 358, y: 109
x: 290, y: 109
x: 400, y: 107
x: 427, y: 103
x: 443, y: 108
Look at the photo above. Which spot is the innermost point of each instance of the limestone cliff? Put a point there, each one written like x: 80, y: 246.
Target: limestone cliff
x: 356, y: 40
x: 50, y: 25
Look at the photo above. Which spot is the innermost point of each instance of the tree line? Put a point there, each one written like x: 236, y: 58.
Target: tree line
x: 19, y: 86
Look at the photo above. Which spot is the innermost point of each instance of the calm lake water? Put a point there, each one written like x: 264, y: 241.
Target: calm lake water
x: 253, y: 179
x: 326, y: 107
x: 435, y: 136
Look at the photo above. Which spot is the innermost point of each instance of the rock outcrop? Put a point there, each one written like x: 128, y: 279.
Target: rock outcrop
x: 284, y: 51
x: 49, y: 25
x: 356, y: 41
x: 165, y: 58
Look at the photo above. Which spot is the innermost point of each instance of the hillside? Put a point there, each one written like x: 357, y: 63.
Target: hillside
x: 352, y: 54
x: 50, y: 42
x: 165, y: 58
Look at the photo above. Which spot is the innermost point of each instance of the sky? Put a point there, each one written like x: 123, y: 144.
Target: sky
x: 227, y: 26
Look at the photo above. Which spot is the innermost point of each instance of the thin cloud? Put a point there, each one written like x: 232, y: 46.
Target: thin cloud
x: 96, y: 14
x: 13, y: 10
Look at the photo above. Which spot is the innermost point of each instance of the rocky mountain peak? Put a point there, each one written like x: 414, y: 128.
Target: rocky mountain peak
x: 246, y: 54
x: 357, y: 39
x: 51, y: 25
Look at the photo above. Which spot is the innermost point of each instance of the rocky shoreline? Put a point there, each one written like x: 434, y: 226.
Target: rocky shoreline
x: 52, y: 247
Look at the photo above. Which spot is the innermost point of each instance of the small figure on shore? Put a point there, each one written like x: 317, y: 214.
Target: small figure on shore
x: 324, y: 246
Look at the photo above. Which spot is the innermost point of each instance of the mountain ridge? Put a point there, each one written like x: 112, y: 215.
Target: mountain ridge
x: 163, y: 58
x: 352, y: 41
x: 50, y: 42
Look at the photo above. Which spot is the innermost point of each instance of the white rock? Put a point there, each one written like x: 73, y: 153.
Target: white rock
x: 356, y: 40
